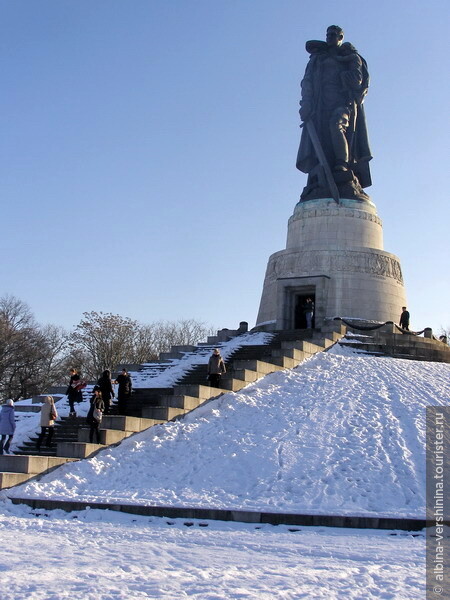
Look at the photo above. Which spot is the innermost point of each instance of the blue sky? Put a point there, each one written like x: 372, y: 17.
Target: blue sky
x: 148, y: 150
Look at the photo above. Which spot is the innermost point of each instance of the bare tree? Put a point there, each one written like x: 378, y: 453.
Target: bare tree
x: 106, y: 339
x: 145, y: 344
x: 29, y: 353
x: 56, y: 347
x: 34, y: 357
x: 179, y: 333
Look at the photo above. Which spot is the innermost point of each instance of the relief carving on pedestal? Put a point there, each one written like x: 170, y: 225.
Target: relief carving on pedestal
x: 336, y: 212
x: 319, y: 262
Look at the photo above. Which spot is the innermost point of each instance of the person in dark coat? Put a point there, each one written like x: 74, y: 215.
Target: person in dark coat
x: 106, y: 388
x: 216, y: 367
x: 73, y: 394
x: 7, y: 426
x: 308, y: 311
x: 96, y: 404
x: 124, y: 391
x: 48, y: 416
x: 404, y: 319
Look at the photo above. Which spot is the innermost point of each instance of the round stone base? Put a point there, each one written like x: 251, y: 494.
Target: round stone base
x: 325, y: 224
x: 360, y: 283
x: 334, y: 253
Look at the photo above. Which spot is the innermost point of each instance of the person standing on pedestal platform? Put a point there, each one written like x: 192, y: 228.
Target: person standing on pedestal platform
x: 216, y: 367
x: 404, y: 319
x: 7, y: 426
x: 308, y: 310
x: 124, y: 391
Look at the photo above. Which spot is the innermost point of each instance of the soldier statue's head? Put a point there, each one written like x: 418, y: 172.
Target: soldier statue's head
x: 335, y: 35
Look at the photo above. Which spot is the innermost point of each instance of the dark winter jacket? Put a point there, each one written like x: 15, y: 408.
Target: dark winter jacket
x: 404, y: 319
x: 7, y: 420
x: 71, y: 392
x: 106, y: 388
x: 95, y: 403
x: 308, y: 307
x: 125, y: 385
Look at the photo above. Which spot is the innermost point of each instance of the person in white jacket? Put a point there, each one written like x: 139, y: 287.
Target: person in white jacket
x: 48, y: 416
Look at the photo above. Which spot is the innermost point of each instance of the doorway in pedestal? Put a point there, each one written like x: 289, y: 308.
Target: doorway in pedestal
x: 299, y: 314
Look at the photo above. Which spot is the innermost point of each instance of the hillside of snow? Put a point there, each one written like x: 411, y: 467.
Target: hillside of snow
x: 341, y: 434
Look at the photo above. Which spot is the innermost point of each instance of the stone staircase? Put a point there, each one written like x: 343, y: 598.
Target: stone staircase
x: 395, y: 344
x: 152, y: 406
x: 16, y: 469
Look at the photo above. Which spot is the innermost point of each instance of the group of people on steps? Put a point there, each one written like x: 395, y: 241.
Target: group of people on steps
x: 100, y: 404
x: 102, y: 395
x: 104, y: 386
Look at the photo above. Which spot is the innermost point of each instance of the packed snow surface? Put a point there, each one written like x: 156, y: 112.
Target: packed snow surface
x: 340, y: 434
x: 104, y: 555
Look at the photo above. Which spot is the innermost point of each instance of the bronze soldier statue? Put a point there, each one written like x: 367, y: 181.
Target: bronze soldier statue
x: 334, y: 147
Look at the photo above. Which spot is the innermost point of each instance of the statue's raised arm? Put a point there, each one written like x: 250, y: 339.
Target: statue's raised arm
x: 334, y: 147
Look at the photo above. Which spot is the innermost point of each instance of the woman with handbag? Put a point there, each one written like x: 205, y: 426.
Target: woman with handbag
x: 48, y: 416
x: 95, y: 415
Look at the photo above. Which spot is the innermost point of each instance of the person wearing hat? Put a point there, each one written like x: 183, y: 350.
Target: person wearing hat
x: 7, y: 426
x: 216, y: 367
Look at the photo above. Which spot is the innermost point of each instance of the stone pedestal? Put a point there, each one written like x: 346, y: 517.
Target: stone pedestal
x: 334, y: 253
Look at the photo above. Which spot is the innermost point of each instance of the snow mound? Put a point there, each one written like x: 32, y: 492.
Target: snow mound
x: 340, y: 434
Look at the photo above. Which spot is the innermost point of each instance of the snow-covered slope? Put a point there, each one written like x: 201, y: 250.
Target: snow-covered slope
x: 340, y: 434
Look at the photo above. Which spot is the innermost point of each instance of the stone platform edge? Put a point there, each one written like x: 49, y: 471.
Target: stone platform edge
x: 211, y: 514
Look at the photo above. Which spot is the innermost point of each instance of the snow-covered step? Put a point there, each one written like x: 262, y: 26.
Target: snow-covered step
x: 23, y: 463
x: 180, y: 401
x: 308, y: 347
x: 77, y: 449
x: 245, y: 375
x: 33, y: 408
x: 259, y: 366
x: 107, y: 436
x: 295, y: 353
x: 8, y: 480
x: 284, y: 362
x: 198, y: 391
x: 232, y: 384
x: 124, y: 423
x: 165, y: 413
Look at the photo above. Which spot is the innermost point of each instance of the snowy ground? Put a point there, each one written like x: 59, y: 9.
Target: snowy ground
x: 102, y: 555
x: 340, y: 434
